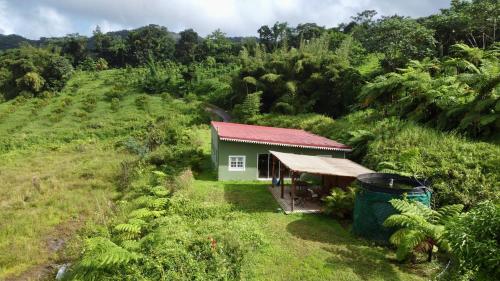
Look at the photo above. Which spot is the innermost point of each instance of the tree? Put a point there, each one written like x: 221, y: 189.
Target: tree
x: 250, y: 107
x: 75, y: 47
x: 32, y: 70
x: 187, y: 47
x: 305, y: 32
x: 419, y: 227
x: 218, y: 46
x: 151, y: 40
x: 400, y: 39
x: 275, y: 36
x: 471, y: 22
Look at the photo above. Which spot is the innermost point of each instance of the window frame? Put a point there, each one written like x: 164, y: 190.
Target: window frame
x: 237, y: 169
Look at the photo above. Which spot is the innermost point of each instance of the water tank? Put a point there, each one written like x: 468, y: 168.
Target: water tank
x: 372, y: 207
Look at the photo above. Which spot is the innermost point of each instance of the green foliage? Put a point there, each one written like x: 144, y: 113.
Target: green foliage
x: 142, y: 102
x: 187, y: 46
x: 340, y: 203
x: 474, y: 240
x: 89, y: 64
x: 150, y: 41
x: 310, y: 78
x: 400, y: 39
x: 250, y: 107
x: 100, y: 255
x: 211, y: 82
x: 460, y: 170
x: 32, y: 70
x: 162, y: 77
x: 458, y: 92
x: 419, y: 227
x: 474, y: 22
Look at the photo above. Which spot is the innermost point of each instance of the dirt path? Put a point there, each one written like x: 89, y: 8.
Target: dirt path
x: 218, y: 111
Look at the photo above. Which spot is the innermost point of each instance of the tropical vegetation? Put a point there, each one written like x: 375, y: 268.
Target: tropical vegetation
x: 104, y: 144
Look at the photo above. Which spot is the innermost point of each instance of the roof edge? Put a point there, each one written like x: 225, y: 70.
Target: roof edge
x: 287, y: 145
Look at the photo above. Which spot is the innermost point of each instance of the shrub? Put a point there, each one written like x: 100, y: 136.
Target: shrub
x: 115, y: 104
x: 101, y: 64
x: 474, y: 239
x: 340, y: 203
x: 117, y: 92
x: 182, y: 181
x: 89, y: 103
x: 142, y: 102
x: 32, y: 69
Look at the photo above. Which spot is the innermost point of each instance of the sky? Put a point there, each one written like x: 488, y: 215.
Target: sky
x: 47, y: 18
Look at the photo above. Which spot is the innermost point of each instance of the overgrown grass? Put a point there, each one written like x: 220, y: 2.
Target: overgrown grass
x: 46, y: 196
x: 61, y: 157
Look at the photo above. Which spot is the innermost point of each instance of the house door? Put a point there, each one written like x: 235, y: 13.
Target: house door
x: 263, y: 166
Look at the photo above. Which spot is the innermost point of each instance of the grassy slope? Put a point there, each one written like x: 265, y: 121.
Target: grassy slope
x: 71, y: 154
x: 301, y: 247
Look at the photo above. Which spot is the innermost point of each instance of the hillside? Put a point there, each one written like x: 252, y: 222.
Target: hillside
x: 106, y: 171
x: 63, y: 155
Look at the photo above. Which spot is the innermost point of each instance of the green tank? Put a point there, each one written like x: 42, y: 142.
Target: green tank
x: 372, y: 207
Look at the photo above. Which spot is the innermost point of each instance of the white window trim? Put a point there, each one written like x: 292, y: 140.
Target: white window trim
x: 236, y: 169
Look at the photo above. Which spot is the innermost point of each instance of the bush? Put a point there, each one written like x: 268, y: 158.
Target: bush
x: 340, y: 203
x: 142, y: 102
x: 474, y: 239
x: 32, y: 69
x: 115, y: 104
x: 117, y: 92
x: 89, y: 103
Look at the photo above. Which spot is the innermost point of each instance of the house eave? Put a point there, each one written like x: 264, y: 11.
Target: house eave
x: 287, y: 145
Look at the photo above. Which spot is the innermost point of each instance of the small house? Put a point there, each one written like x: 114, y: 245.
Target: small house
x: 242, y: 152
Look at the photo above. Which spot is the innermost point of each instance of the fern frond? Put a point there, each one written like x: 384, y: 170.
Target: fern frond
x: 131, y: 245
x: 160, y: 191
x: 445, y: 213
x: 102, y: 253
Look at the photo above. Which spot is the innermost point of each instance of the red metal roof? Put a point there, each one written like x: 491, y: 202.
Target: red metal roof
x: 275, y: 136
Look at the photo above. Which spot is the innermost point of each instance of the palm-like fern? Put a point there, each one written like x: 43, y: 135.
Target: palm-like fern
x: 100, y: 254
x: 420, y: 228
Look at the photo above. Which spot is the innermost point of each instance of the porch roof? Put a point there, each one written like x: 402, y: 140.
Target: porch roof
x: 321, y: 165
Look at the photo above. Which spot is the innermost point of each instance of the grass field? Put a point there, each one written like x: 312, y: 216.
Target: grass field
x: 303, y: 246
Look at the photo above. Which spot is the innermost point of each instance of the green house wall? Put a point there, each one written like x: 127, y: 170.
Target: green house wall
x: 221, y: 150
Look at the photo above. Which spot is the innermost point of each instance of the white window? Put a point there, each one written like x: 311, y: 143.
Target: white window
x: 237, y: 163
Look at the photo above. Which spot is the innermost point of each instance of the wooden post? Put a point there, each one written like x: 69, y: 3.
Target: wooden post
x: 273, y: 171
x: 282, y: 181
x: 323, y: 184
x: 293, y: 189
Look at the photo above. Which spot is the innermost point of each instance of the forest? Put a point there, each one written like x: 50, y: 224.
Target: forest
x: 106, y: 140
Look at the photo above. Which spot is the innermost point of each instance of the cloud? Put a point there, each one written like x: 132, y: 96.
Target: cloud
x: 33, y: 21
x: 35, y: 18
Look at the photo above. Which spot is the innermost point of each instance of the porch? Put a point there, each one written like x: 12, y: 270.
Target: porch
x: 300, y: 196
x: 301, y: 205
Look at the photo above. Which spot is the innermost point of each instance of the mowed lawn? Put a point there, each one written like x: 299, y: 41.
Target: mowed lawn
x: 303, y: 246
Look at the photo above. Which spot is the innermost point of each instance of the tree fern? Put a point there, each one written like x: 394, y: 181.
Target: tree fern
x: 160, y: 191
x: 146, y: 213
x: 419, y: 227
x: 100, y: 254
